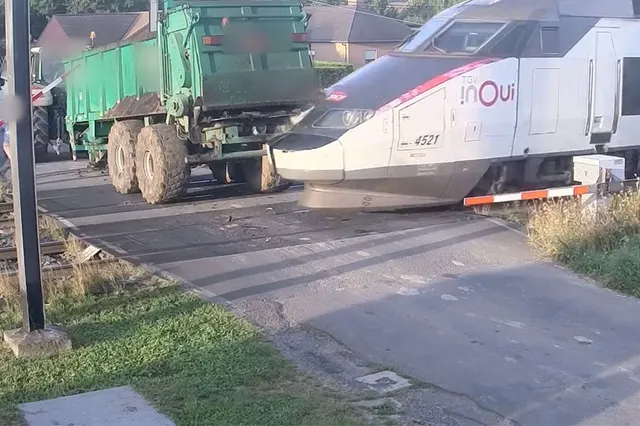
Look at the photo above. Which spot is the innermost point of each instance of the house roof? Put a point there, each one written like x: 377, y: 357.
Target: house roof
x: 349, y: 24
x: 108, y: 27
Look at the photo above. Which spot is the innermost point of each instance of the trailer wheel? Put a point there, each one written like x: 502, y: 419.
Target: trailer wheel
x: 121, y: 155
x: 162, y: 172
x: 40, y: 133
x: 261, y: 176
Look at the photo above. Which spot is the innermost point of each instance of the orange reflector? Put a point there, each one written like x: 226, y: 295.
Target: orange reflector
x: 581, y: 190
x: 212, y: 40
x: 474, y: 201
x: 532, y: 195
x: 299, y: 37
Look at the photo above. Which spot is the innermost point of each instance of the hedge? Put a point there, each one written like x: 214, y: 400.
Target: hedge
x: 331, y: 72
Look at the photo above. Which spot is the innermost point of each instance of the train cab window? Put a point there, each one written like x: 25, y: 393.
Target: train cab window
x: 511, y: 43
x: 415, y: 41
x: 466, y: 37
x: 549, y: 41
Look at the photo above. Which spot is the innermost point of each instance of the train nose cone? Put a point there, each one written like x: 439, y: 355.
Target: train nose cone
x: 309, y: 159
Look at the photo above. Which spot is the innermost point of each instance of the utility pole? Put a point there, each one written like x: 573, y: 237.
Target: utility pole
x: 34, y: 339
x: 25, y: 207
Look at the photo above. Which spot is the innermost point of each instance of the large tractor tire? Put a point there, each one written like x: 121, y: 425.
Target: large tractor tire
x: 121, y: 155
x: 40, y: 133
x: 162, y: 172
x: 261, y: 176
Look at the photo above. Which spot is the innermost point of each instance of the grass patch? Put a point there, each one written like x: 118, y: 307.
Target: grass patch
x: 196, y: 362
x: 517, y: 212
x: 50, y: 229
x: 606, y: 248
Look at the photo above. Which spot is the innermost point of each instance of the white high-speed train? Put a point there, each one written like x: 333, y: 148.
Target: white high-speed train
x: 487, y: 97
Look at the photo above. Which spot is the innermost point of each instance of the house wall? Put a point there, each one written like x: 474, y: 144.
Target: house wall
x: 357, y: 51
x: 353, y: 53
x: 52, y: 34
x: 56, y: 43
x: 331, y: 52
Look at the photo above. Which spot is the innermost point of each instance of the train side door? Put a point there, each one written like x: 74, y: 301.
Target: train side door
x: 418, y: 144
x: 603, y: 93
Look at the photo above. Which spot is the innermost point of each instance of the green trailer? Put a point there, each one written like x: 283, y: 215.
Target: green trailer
x: 212, y: 85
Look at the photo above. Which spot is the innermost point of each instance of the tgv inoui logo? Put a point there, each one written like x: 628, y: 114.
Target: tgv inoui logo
x: 488, y: 92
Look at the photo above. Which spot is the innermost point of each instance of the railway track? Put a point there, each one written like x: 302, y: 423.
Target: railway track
x: 6, y: 207
x: 48, y: 248
x: 52, y: 269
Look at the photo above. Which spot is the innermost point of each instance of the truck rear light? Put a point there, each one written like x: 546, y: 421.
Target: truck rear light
x: 212, y: 40
x: 299, y: 37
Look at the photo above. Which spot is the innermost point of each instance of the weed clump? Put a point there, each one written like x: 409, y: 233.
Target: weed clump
x: 605, y: 246
x: 76, y: 284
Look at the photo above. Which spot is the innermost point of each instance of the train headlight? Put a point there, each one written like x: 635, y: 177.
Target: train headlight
x: 343, y: 118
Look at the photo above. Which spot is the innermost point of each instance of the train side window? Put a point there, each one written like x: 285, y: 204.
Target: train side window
x: 630, y: 86
x: 549, y: 41
x: 636, y: 7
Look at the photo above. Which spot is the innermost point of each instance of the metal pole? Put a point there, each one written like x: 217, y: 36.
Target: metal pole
x: 25, y: 206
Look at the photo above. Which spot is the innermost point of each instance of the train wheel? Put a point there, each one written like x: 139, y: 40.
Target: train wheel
x: 162, y: 172
x: 261, y: 176
x: 40, y: 133
x: 121, y: 155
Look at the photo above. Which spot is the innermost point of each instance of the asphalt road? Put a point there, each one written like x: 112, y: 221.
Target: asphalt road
x: 489, y: 333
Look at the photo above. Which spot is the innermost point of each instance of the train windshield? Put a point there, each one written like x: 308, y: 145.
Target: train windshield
x: 419, y: 38
x: 460, y: 37
x: 466, y: 37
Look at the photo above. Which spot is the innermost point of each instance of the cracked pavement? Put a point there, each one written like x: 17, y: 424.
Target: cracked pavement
x: 488, y: 333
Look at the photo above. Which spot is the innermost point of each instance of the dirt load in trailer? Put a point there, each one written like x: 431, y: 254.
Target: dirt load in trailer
x: 213, y: 85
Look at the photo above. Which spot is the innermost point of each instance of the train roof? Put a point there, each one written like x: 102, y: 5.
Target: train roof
x: 546, y: 10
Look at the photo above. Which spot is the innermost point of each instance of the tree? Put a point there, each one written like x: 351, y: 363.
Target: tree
x: 420, y: 11
x: 43, y: 10
x: 382, y: 7
x: 321, y: 2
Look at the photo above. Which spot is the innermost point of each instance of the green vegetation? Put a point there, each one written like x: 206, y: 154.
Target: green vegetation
x: 415, y: 11
x: 606, y: 248
x: 196, y: 362
x: 330, y: 73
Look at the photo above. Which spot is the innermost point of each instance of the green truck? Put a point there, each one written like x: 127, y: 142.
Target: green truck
x: 214, y: 82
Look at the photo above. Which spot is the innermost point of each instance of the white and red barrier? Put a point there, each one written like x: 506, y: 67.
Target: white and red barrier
x: 11, y: 106
x: 53, y: 84
x: 537, y: 194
